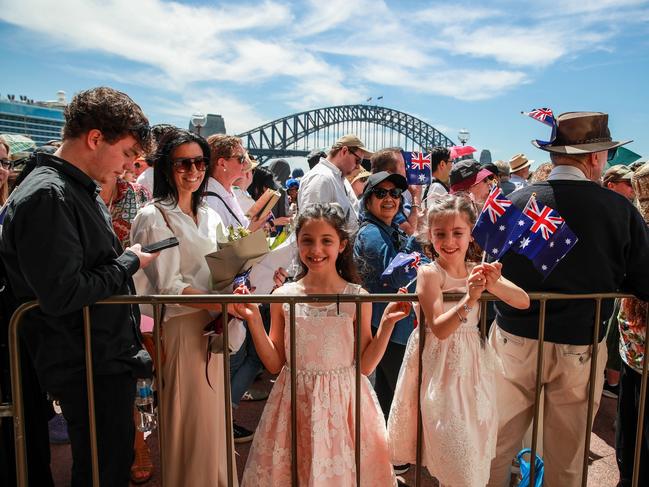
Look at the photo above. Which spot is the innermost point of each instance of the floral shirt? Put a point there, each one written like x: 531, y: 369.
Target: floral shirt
x: 128, y: 198
x: 632, y: 339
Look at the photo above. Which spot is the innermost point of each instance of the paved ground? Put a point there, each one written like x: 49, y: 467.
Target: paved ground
x: 602, y: 471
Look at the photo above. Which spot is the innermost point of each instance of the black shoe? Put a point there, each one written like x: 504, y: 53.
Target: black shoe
x: 401, y: 469
x: 611, y: 391
x: 241, y: 434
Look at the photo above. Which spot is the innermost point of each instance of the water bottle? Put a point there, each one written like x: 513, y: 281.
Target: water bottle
x: 144, y: 405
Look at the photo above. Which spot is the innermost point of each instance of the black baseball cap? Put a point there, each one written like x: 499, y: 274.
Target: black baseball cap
x: 377, y: 178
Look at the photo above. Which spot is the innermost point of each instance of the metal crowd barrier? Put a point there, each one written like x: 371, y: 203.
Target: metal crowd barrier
x: 160, y: 300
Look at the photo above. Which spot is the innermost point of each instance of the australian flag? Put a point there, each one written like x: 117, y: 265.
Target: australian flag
x: 417, y: 167
x: 544, y: 115
x: 402, y: 270
x: 548, y: 238
x: 499, y: 225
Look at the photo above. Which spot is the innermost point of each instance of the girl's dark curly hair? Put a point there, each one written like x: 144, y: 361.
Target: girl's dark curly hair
x: 331, y: 213
x: 445, y: 206
x: 164, y: 186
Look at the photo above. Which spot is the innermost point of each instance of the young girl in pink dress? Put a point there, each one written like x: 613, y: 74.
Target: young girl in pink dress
x: 458, y: 403
x: 325, y: 370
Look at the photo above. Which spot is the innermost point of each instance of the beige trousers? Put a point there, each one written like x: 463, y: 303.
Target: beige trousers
x: 565, y: 379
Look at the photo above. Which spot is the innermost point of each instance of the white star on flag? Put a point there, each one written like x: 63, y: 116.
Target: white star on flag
x: 502, y: 228
x: 544, y: 267
x: 494, y: 251
x: 521, y: 223
x: 551, y: 244
x: 525, y: 242
x: 568, y: 241
x: 422, y: 177
x: 511, y: 242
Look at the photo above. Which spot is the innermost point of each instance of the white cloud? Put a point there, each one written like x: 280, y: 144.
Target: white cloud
x: 239, y: 116
x: 444, y: 14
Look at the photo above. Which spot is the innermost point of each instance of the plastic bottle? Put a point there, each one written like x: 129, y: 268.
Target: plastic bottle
x: 144, y: 405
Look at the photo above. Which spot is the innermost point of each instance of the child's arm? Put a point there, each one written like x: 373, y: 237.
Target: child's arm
x: 431, y: 299
x: 374, y: 348
x: 506, y: 290
x: 269, y: 348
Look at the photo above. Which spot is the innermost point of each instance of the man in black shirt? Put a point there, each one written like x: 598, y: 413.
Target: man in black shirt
x: 611, y: 255
x: 58, y: 247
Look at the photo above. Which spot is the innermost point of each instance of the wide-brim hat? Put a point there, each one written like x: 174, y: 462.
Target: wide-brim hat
x: 518, y: 162
x: 581, y: 133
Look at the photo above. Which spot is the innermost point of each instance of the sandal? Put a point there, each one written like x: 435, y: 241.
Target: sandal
x: 142, y: 468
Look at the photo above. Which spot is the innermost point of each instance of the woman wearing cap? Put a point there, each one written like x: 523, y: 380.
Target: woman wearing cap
x: 378, y: 241
x: 468, y: 176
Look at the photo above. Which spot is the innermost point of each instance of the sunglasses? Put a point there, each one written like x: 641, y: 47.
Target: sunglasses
x: 241, y: 158
x: 381, y: 193
x: 6, y: 163
x: 185, y: 164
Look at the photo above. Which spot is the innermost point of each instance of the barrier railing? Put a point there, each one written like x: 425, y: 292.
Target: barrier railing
x: 17, y: 409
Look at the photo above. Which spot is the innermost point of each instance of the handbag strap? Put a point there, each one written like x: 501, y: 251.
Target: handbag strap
x: 212, y: 193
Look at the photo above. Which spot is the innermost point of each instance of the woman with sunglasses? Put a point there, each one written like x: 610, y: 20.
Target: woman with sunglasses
x: 194, y: 435
x: 377, y: 242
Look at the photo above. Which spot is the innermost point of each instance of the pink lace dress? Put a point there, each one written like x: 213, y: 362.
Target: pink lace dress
x: 325, y: 409
x: 458, y: 402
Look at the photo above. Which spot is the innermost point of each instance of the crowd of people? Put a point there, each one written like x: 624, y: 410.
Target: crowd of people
x: 73, y: 232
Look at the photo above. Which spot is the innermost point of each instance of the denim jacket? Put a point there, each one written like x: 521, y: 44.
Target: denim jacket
x: 375, y: 246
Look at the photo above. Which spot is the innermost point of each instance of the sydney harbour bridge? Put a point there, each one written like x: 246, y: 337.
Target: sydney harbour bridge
x: 378, y: 127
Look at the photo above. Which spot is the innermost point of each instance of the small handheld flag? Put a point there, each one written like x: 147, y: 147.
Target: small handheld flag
x: 544, y: 115
x: 499, y: 225
x: 401, y: 271
x: 418, y: 170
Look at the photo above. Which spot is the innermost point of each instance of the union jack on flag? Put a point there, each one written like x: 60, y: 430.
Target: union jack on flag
x: 496, y: 204
x: 402, y: 270
x: 543, y: 115
x: 418, y: 165
x: 416, y: 261
x: 419, y: 161
x: 545, y: 219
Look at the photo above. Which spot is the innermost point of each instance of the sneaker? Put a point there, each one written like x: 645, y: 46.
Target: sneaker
x: 58, y: 429
x: 401, y: 469
x: 254, y: 395
x: 241, y: 434
x: 611, y: 391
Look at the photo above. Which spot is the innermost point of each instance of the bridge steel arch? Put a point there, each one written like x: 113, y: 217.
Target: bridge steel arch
x: 279, y: 137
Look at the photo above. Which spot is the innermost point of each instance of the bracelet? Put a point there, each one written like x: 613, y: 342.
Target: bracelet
x: 462, y: 320
x: 467, y: 308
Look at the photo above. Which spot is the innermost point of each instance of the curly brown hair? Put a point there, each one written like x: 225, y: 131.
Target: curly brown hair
x: 110, y: 111
x: 222, y: 145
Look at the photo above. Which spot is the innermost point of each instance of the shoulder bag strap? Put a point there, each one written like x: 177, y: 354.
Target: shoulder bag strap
x: 212, y: 193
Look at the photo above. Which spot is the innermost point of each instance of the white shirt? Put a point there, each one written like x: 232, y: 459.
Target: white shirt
x: 570, y: 173
x: 146, y: 179
x: 435, y: 190
x: 220, y: 207
x: 244, y: 198
x: 325, y: 183
x: 518, y: 181
x: 178, y: 267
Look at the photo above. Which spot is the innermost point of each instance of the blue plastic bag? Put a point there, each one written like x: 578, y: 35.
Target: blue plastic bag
x: 525, y: 469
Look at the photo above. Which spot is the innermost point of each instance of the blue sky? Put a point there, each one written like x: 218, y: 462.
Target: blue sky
x: 454, y: 64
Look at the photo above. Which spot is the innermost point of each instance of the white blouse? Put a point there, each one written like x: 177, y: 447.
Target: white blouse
x: 184, y: 265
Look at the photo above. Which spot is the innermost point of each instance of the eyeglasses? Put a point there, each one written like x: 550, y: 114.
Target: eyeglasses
x: 356, y: 156
x: 6, y: 163
x: 185, y: 164
x: 381, y: 193
x: 241, y: 158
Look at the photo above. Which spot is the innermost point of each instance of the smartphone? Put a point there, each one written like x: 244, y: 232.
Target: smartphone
x: 161, y: 245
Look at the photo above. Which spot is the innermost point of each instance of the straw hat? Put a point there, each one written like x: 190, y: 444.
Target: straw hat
x: 518, y: 162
